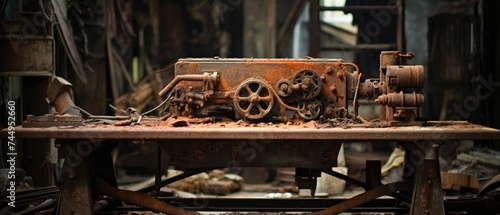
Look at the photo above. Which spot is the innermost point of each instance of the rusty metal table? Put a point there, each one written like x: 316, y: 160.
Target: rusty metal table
x: 418, y: 140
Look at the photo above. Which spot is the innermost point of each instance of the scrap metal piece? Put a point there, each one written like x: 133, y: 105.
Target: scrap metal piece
x: 50, y: 120
x: 59, y: 94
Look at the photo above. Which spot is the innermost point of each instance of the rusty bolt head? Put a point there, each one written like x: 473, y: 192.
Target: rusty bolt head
x: 340, y: 75
x: 333, y: 88
x: 57, y: 86
x: 329, y: 69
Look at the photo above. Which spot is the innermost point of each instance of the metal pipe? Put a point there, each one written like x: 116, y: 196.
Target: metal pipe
x: 201, y: 77
x: 356, y: 68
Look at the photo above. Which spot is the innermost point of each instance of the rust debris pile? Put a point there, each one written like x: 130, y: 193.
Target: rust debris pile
x: 215, y: 183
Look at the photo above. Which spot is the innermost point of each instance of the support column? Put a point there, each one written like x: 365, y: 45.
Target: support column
x: 314, y: 29
x: 76, y: 192
x: 427, y: 196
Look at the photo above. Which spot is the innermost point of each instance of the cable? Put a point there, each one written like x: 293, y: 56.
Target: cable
x: 82, y: 110
x: 164, y: 101
x: 145, y: 113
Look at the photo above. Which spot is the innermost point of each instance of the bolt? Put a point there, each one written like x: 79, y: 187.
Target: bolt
x: 429, y: 181
x: 184, y: 156
x: 306, y: 81
x: 329, y: 69
x: 340, y: 75
x: 333, y: 89
x: 253, y: 98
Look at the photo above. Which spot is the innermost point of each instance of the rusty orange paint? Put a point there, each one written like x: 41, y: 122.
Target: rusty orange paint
x: 232, y: 72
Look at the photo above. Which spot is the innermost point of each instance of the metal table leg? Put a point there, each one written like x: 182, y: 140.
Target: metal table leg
x: 427, y: 197
x: 76, y: 192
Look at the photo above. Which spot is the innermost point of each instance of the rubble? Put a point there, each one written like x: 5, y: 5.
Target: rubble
x: 471, y: 169
x: 215, y: 183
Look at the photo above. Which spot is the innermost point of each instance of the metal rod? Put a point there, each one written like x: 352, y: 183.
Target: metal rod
x: 345, y: 178
x: 175, y: 178
x: 343, y: 47
x: 359, y: 8
x: 279, y: 205
x: 109, y: 117
x: 158, y: 171
x: 178, y: 79
x: 362, y: 198
x: 137, y: 198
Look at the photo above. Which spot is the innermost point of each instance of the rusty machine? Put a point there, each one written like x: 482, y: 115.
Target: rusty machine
x: 283, y: 89
x: 228, y: 92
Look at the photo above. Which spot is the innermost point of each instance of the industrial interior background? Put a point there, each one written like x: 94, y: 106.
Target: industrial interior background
x: 122, y: 53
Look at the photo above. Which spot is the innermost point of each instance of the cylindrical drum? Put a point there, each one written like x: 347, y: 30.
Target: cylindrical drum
x: 406, y: 76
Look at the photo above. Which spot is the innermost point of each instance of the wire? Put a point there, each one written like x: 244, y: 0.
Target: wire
x: 145, y: 113
x: 164, y: 101
x: 82, y: 110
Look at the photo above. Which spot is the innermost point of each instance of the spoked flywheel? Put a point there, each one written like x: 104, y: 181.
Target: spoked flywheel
x: 253, y: 99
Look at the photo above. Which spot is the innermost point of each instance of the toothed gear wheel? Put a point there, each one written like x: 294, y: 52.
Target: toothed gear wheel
x: 309, y: 84
x: 283, y: 88
x: 253, y: 99
x: 309, y: 110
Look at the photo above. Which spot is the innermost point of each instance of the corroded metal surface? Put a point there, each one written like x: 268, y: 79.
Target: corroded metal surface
x: 288, y: 89
x: 445, y: 130
x: 190, y: 154
x: 306, y: 86
x: 26, y: 56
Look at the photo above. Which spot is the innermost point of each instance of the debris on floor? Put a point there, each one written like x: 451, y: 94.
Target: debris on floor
x: 23, y: 182
x: 215, y: 183
x: 285, y: 195
x: 471, y: 169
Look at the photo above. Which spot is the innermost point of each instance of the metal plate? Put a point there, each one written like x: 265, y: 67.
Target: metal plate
x: 27, y: 56
x: 190, y: 154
